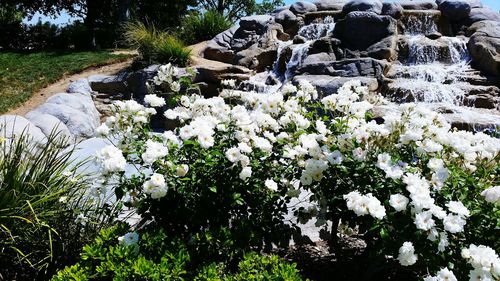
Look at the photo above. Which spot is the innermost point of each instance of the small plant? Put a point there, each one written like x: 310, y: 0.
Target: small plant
x: 199, y: 27
x: 156, y: 46
x: 152, y: 255
x: 45, y: 214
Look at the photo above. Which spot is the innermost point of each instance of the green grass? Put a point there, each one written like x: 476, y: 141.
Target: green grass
x: 23, y: 74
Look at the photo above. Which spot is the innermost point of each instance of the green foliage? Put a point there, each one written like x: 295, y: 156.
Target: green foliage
x: 163, y: 14
x: 156, y: 46
x: 199, y: 27
x: 42, y: 201
x: 23, y: 74
x: 158, y: 257
x: 235, y: 9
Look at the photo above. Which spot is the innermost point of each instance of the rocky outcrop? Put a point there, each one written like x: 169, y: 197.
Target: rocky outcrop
x: 303, y: 7
x: 14, y: 125
x: 374, y: 6
x: 362, y: 67
x: 418, y: 5
x: 330, y: 5
x: 455, y: 10
x: 484, y: 46
x: 327, y: 85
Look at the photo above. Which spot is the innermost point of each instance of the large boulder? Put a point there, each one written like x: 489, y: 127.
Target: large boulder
x: 289, y: 21
x: 219, y: 48
x: 49, y: 124
x: 303, y: 7
x: 360, y: 30
x: 80, y: 102
x: 418, y: 5
x: 374, y: 6
x: 15, y: 125
x: 108, y: 84
x: 480, y: 14
x: 80, y: 86
x: 257, y: 23
x: 455, y: 10
x: 330, y: 5
x: 384, y: 49
x: 365, y: 67
x: 79, y: 124
x: 327, y: 85
x: 484, y: 46
x: 136, y: 81
x: 392, y: 9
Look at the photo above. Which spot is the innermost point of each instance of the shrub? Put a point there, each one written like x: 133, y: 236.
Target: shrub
x: 156, y: 46
x: 45, y: 216
x: 198, y: 27
x: 152, y: 255
x: 411, y: 186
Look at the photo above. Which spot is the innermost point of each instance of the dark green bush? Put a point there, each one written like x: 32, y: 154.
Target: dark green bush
x: 156, y: 257
x: 156, y: 46
x: 199, y: 27
x: 42, y: 205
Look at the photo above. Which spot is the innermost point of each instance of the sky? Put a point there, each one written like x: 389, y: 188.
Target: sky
x: 64, y: 18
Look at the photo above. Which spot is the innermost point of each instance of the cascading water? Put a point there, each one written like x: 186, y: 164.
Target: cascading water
x: 317, y: 30
x: 299, y: 54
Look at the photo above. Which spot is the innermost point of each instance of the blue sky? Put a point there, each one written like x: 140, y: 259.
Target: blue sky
x: 65, y: 18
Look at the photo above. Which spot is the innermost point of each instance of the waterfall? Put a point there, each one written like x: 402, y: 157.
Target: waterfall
x: 317, y: 30
x: 417, y: 24
x: 299, y: 54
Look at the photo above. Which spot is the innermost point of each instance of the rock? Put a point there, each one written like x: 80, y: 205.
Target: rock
x: 136, y: 81
x: 418, y: 5
x: 80, y: 86
x: 359, y: 30
x: 289, y: 21
x: 455, y: 10
x: 366, y: 67
x: 257, y: 23
x: 49, y: 124
x: 330, y: 5
x: 219, y: 48
x: 384, y: 49
x: 434, y: 35
x: 79, y: 102
x: 281, y: 9
x: 327, y: 85
x: 484, y: 46
x: 374, y: 6
x: 480, y: 14
x: 298, y: 39
x: 15, y: 126
x: 392, y: 9
x: 302, y: 7
x: 109, y: 84
x: 79, y: 124
x: 214, y: 73
x: 318, y: 58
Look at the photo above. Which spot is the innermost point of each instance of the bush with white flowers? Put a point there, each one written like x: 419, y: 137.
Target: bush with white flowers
x: 416, y: 189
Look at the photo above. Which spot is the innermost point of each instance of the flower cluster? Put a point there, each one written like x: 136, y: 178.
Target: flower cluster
x: 323, y: 146
x: 485, y: 262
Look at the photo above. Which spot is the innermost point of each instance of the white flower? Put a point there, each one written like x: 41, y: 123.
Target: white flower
x: 454, y: 223
x: 229, y: 83
x: 182, y: 170
x: 129, y: 239
x: 154, y: 151
x: 407, y: 255
x: 272, y: 185
x: 492, y: 194
x: 443, y: 274
x: 233, y: 154
x: 435, y: 164
x: 424, y: 220
x: 155, y: 186
x: 154, y: 100
x: 335, y: 157
x: 458, y: 208
x: 479, y: 274
x: 102, y: 130
x: 399, y: 202
x: 245, y: 173
x: 359, y: 154
x: 112, y: 159
x: 175, y: 86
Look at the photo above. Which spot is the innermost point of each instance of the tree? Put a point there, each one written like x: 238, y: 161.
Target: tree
x: 235, y: 9
x: 163, y: 14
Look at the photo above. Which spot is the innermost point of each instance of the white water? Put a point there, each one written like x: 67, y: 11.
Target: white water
x: 317, y: 30
x: 299, y: 54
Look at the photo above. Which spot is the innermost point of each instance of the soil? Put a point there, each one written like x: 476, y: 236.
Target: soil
x: 60, y: 86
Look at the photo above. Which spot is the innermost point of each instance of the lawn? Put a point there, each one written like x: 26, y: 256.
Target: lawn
x: 23, y: 74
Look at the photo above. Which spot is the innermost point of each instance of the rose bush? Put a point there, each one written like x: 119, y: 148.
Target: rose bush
x: 411, y: 186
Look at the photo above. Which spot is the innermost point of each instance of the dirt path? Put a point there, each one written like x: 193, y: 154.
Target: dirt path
x: 60, y: 86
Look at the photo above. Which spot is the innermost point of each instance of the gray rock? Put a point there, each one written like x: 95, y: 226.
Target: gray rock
x: 79, y: 124
x: 480, y: 14
x: 136, y: 81
x: 289, y: 21
x: 484, y: 46
x: 82, y: 103
x: 418, y: 5
x: 219, y: 48
x: 366, y: 67
x: 258, y: 23
x: 330, y: 5
x: 392, y: 9
x: 455, y: 10
x: 281, y: 9
x: 302, y: 7
x: 374, y: 6
x: 384, y: 49
x: 109, y: 84
x: 318, y: 58
x: 49, y: 124
x: 12, y: 126
x: 359, y: 30
x: 80, y: 86
x: 327, y: 85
